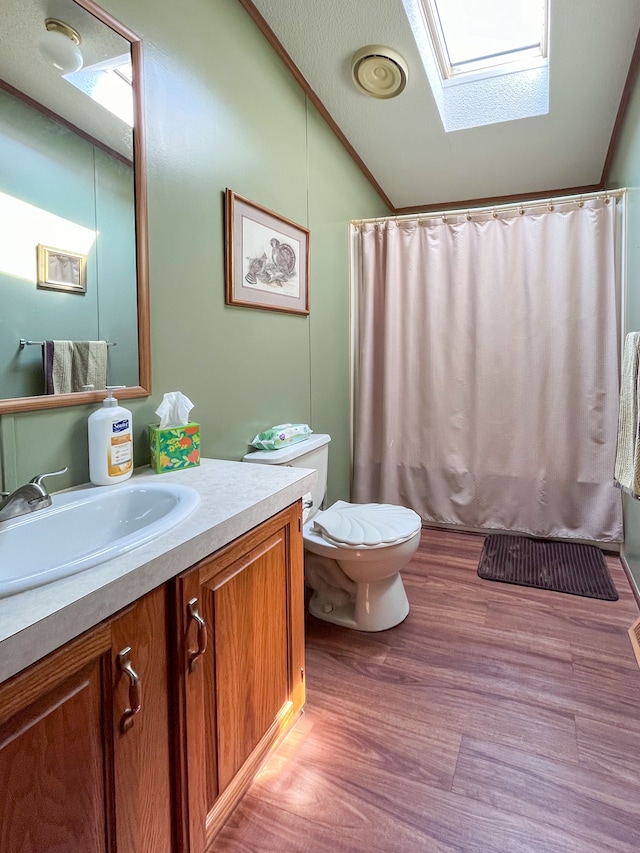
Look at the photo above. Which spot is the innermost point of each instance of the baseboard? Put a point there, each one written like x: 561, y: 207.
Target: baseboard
x: 608, y: 547
x: 631, y: 579
x: 634, y: 636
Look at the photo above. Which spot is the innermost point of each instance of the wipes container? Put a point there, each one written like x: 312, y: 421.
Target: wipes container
x: 281, y: 435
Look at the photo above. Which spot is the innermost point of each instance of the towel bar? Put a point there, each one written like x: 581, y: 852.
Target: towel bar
x: 25, y: 343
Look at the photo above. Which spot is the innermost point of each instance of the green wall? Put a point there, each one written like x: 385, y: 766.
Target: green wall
x: 625, y: 172
x: 223, y: 111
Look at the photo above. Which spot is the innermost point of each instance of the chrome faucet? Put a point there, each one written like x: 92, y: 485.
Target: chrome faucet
x: 28, y: 498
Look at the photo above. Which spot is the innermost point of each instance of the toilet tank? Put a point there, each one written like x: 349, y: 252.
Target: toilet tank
x: 313, y: 452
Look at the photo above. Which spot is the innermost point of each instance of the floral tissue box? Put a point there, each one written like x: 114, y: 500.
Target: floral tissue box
x: 174, y: 448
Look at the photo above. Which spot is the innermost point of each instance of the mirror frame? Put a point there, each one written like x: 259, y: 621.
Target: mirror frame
x: 143, y: 389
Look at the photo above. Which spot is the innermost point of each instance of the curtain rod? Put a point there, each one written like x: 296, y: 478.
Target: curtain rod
x: 496, y: 208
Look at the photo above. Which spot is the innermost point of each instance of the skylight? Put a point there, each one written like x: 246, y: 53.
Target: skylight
x: 485, y: 72
x: 109, y: 84
x: 475, y: 35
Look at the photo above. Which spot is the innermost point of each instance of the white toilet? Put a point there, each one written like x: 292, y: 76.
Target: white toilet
x: 353, y: 552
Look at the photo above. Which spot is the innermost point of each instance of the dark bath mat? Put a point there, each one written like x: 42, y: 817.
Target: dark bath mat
x: 559, y: 566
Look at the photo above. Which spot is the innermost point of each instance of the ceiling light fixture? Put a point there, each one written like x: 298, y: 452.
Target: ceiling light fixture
x: 379, y: 71
x: 59, y: 45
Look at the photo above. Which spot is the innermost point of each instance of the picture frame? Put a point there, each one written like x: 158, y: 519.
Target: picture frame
x: 266, y: 258
x: 59, y: 269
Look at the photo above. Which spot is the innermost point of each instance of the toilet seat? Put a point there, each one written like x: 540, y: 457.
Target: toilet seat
x: 347, y: 525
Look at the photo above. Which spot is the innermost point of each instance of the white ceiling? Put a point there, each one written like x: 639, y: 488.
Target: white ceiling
x: 402, y: 141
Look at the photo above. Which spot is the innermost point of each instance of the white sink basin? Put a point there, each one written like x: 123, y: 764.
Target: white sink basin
x: 85, y: 527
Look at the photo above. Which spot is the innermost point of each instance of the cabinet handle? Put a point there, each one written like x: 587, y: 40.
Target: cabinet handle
x: 192, y: 606
x: 135, y: 700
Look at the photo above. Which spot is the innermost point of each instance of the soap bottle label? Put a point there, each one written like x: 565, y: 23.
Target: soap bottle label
x: 120, y: 460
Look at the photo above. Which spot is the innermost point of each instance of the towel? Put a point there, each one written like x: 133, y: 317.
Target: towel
x: 627, y: 465
x: 72, y: 365
x: 307, y: 506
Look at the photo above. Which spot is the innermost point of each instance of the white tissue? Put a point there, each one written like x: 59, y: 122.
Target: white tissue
x: 174, y: 410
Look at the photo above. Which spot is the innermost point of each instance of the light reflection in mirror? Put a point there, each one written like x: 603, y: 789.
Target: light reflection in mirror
x: 23, y: 226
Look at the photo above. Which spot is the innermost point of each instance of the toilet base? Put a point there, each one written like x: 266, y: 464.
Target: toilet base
x: 377, y: 606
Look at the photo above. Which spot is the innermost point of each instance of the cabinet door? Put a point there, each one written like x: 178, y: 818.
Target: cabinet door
x: 190, y: 741
x: 141, y: 728
x: 55, y: 750
x: 251, y: 651
x: 78, y: 772
x: 241, y: 691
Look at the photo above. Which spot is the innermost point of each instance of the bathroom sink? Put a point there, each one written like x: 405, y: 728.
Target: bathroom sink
x: 85, y: 527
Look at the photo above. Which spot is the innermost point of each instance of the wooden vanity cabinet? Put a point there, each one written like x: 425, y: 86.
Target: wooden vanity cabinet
x: 239, y: 621
x: 142, y: 734
x: 84, y: 748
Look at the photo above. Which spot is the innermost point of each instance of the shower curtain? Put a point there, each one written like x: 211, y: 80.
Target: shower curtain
x: 486, y: 368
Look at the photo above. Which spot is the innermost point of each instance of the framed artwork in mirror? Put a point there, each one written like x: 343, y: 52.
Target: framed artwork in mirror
x: 61, y: 270
x: 266, y: 258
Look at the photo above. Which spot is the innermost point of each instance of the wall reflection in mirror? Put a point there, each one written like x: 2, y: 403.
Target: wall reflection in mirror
x: 67, y: 195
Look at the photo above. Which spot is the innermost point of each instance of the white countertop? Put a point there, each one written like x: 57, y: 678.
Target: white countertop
x: 234, y: 498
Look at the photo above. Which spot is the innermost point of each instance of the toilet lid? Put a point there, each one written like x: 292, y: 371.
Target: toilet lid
x: 370, y: 525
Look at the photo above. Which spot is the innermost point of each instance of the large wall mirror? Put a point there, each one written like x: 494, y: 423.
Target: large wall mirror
x: 73, y: 218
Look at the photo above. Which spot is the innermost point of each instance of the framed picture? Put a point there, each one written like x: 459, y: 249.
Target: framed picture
x: 61, y: 270
x: 266, y: 258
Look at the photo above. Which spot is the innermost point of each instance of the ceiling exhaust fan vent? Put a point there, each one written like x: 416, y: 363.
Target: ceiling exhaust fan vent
x: 379, y: 71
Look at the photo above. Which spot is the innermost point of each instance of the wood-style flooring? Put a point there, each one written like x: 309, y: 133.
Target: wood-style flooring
x: 495, y: 719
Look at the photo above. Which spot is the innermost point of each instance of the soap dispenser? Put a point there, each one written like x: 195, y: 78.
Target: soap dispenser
x: 110, y: 442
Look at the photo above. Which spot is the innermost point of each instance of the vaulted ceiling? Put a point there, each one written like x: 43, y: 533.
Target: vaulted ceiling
x: 402, y: 144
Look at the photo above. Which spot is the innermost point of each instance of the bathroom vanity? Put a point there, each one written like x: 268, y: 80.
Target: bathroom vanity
x: 140, y: 697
